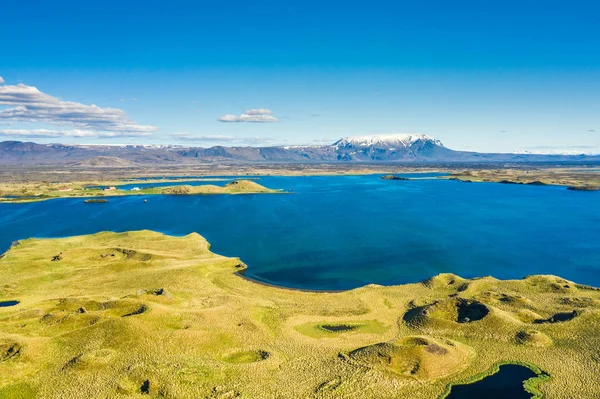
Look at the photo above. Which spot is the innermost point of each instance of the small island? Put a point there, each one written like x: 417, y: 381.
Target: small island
x: 95, y: 201
x: 33, y: 192
x: 143, y: 313
x: 584, y: 188
x: 393, y: 177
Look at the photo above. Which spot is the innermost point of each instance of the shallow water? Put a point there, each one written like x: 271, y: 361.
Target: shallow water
x: 5, y: 304
x: 338, y: 232
x: 506, y: 383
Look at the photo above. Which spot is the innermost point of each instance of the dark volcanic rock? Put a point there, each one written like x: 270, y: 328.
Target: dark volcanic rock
x: 392, y: 177
x: 583, y: 188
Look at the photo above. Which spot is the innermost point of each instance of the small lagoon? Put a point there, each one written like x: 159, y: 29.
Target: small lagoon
x: 340, y: 232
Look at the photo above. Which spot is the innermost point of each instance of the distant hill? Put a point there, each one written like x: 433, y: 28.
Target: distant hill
x: 395, y: 148
x: 106, y: 162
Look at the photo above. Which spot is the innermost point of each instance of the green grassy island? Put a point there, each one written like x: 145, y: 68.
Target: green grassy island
x: 142, y: 314
x: 18, y: 193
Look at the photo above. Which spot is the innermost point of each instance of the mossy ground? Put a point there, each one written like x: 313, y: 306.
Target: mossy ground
x: 142, y: 314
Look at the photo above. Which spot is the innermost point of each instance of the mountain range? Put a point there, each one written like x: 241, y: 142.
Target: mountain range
x: 394, y: 148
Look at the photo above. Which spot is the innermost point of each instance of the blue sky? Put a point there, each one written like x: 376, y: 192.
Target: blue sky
x: 478, y: 75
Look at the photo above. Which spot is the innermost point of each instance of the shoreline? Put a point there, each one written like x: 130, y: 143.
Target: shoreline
x: 530, y: 385
x: 231, y: 188
x: 185, y: 293
x: 241, y: 273
x: 27, y: 201
x: 573, y: 180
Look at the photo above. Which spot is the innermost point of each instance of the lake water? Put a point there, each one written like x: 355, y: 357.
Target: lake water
x: 141, y: 183
x: 506, y: 383
x: 339, y: 232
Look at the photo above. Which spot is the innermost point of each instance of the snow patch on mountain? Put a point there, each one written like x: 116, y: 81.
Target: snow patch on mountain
x: 385, y: 140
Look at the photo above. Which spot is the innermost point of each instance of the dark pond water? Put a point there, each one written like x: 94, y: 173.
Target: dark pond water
x: 5, y: 304
x: 505, y: 384
x: 338, y: 232
x: 338, y: 327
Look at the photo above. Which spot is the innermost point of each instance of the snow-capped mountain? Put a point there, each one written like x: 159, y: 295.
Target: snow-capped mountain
x: 389, y: 147
x: 407, y: 148
x: 390, y: 141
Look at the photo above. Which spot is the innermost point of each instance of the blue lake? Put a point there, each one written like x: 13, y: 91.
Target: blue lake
x: 338, y: 232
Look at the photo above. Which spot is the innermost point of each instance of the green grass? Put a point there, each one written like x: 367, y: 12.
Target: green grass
x: 42, y: 192
x: 320, y: 330
x: 168, y: 311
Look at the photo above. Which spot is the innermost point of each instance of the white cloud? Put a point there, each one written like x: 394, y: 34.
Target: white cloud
x: 260, y: 111
x: 75, y: 133
x: 260, y: 115
x: 1, y: 80
x: 222, y: 139
x: 29, y: 105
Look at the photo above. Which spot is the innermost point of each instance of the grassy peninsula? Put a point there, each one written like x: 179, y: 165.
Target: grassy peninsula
x: 574, y: 178
x: 142, y: 314
x: 31, y: 192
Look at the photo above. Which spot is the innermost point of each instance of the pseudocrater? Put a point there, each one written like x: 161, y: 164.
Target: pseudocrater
x: 457, y: 310
x: 246, y: 356
x: 423, y: 358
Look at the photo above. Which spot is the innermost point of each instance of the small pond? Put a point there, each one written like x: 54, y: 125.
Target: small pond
x: 339, y: 327
x: 506, y: 383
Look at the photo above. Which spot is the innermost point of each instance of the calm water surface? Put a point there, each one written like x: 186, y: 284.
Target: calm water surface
x: 506, y: 383
x: 338, y: 232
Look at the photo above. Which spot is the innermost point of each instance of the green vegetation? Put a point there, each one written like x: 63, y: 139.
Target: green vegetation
x: 18, y: 193
x: 246, y: 356
x: 573, y: 179
x: 142, y: 314
x: 334, y: 329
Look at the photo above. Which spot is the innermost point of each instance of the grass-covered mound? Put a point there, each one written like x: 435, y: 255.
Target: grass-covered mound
x: 533, y: 338
x: 458, y: 310
x: 234, y: 187
x: 142, y: 314
x: 246, y: 356
x: 418, y: 357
